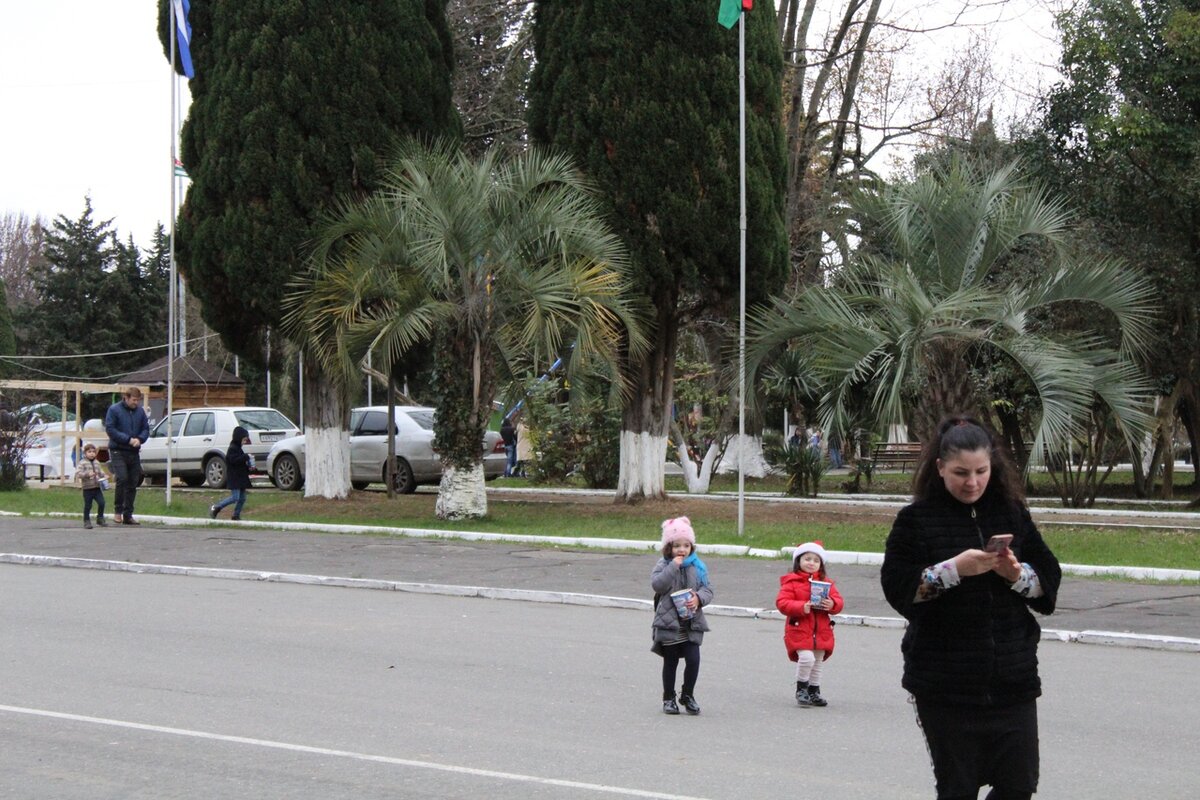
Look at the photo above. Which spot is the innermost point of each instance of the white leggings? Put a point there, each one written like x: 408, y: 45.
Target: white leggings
x: 808, y: 666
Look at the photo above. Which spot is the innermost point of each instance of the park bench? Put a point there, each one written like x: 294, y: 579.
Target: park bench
x: 895, y: 454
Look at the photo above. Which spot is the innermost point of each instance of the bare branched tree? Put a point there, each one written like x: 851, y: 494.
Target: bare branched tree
x: 494, y: 55
x: 21, y: 244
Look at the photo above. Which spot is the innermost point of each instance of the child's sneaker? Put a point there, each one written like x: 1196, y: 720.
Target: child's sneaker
x: 803, y: 698
x: 87, y: 525
x: 102, y: 522
x: 814, y: 697
x: 213, y: 511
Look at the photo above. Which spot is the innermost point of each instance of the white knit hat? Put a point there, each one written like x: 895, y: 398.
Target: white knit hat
x: 676, y: 529
x: 808, y: 547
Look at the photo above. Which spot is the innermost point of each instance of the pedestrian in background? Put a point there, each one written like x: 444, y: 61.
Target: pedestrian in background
x: 681, y: 590
x: 127, y: 427
x: 238, y: 464
x: 93, y: 480
x: 509, y: 434
x: 964, y: 564
x: 524, y: 449
x: 808, y: 629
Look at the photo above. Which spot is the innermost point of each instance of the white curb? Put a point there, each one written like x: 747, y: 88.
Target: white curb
x: 1151, y: 642
x: 832, y: 556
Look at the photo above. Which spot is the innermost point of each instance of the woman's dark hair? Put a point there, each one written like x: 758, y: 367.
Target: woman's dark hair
x: 961, y: 433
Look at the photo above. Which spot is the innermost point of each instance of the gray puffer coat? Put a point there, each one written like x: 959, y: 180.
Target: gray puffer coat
x: 667, y: 627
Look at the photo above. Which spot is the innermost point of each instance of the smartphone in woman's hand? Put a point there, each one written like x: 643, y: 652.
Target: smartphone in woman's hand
x: 998, y: 543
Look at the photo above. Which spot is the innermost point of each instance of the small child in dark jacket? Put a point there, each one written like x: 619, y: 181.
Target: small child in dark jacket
x: 237, y: 469
x: 679, y: 624
x: 92, y: 478
x: 808, y: 630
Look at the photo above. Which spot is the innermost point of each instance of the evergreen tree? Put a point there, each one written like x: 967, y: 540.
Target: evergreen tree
x: 73, y: 310
x: 8, y: 341
x: 293, y: 106
x: 645, y: 98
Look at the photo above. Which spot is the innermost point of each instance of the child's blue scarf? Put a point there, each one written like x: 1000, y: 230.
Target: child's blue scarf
x: 701, y: 568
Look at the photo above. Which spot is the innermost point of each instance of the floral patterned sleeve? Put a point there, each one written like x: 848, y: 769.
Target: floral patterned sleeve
x: 935, y: 580
x: 1029, y: 585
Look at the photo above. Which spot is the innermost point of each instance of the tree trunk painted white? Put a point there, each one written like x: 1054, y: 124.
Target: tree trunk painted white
x: 643, y: 466
x: 697, y: 477
x: 645, y: 420
x: 326, y: 440
x: 462, y: 494
x: 756, y: 465
x: 327, y: 463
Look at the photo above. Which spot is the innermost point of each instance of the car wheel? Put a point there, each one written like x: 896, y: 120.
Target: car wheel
x: 192, y: 480
x: 404, y: 482
x: 286, y: 473
x: 359, y: 485
x: 214, y: 472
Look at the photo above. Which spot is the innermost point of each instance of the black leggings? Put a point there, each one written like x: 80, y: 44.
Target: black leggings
x: 982, y: 746
x: 671, y: 653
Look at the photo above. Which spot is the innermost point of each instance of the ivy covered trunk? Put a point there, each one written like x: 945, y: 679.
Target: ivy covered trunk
x: 464, y: 379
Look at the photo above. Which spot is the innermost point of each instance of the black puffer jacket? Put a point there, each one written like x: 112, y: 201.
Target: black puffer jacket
x: 976, y: 644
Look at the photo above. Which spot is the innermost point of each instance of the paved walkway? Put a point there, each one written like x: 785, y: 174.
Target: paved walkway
x: 1153, y: 614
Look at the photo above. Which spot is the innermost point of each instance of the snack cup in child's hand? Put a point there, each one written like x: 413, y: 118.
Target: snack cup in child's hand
x: 104, y: 483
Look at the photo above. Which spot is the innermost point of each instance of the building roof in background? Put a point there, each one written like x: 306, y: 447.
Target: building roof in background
x: 188, y: 370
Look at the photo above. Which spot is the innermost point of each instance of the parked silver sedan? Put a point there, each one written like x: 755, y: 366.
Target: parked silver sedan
x: 416, y: 463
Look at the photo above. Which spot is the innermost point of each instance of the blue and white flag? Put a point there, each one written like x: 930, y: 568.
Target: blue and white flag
x: 183, y: 34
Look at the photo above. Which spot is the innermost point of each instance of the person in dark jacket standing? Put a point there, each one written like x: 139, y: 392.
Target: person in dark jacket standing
x: 127, y: 427
x: 970, y: 650
x: 509, y: 435
x: 238, y: 464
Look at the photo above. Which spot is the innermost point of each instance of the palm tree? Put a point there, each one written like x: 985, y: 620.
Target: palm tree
x: 490, y: 259
x: 932, y: 293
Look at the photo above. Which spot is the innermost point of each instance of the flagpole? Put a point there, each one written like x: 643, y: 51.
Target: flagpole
x: 171, y: 260
x: 741, y: 529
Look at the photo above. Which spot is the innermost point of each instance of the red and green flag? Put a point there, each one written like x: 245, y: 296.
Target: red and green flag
x: 731, y: 10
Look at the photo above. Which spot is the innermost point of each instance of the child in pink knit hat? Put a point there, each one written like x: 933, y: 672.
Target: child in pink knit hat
x: 681, y: 590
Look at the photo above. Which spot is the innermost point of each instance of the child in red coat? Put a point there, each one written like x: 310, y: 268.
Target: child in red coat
x: 808, y: 632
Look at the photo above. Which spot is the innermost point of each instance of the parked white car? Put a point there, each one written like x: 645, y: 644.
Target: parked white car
x: 200, y: 437
x: 416, y: 463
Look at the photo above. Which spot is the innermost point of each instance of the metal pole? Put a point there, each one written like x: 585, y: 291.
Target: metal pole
x: 171, y: 283
x: 741, y: 528
x: 300, y: 372
x: 369, y: 379
x: 269, y: 368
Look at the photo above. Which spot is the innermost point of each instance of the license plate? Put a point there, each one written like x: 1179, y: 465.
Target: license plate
x: 270, y: 437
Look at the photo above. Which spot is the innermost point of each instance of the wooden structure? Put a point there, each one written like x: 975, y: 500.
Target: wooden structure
x: 896, y: 454
x: 197, y: 383
x: 72, y: 432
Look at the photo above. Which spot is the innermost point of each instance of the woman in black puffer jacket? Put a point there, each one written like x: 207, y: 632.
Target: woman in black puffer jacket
x: 970, y: 650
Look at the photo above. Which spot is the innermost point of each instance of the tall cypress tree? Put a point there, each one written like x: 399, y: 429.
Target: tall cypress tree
x: 645, y: 98
x: 294, y: 102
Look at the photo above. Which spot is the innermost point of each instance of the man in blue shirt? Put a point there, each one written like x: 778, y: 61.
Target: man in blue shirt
x: 127, y: 427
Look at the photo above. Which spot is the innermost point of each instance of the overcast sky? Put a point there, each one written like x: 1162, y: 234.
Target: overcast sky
x: 86, y: 98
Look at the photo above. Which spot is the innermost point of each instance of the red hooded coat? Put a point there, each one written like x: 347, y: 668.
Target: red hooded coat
x: 806, y: 631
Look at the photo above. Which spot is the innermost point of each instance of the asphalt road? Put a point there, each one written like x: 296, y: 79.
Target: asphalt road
x: 117, y: 685
x: 1083, y: 604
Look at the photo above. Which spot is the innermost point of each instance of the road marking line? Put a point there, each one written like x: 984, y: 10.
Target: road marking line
x: 323, y: 751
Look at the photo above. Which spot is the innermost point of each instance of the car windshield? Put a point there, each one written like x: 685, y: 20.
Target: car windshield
x: 44, y: 412
x: 423, y: 417
x: 266, y: 419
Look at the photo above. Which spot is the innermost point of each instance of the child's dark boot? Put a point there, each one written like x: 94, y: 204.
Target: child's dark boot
x: 102, y: 522
x: 814, y: 696
x: 802, y: 696
x: 669, y: 704
x: 689, y: 703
